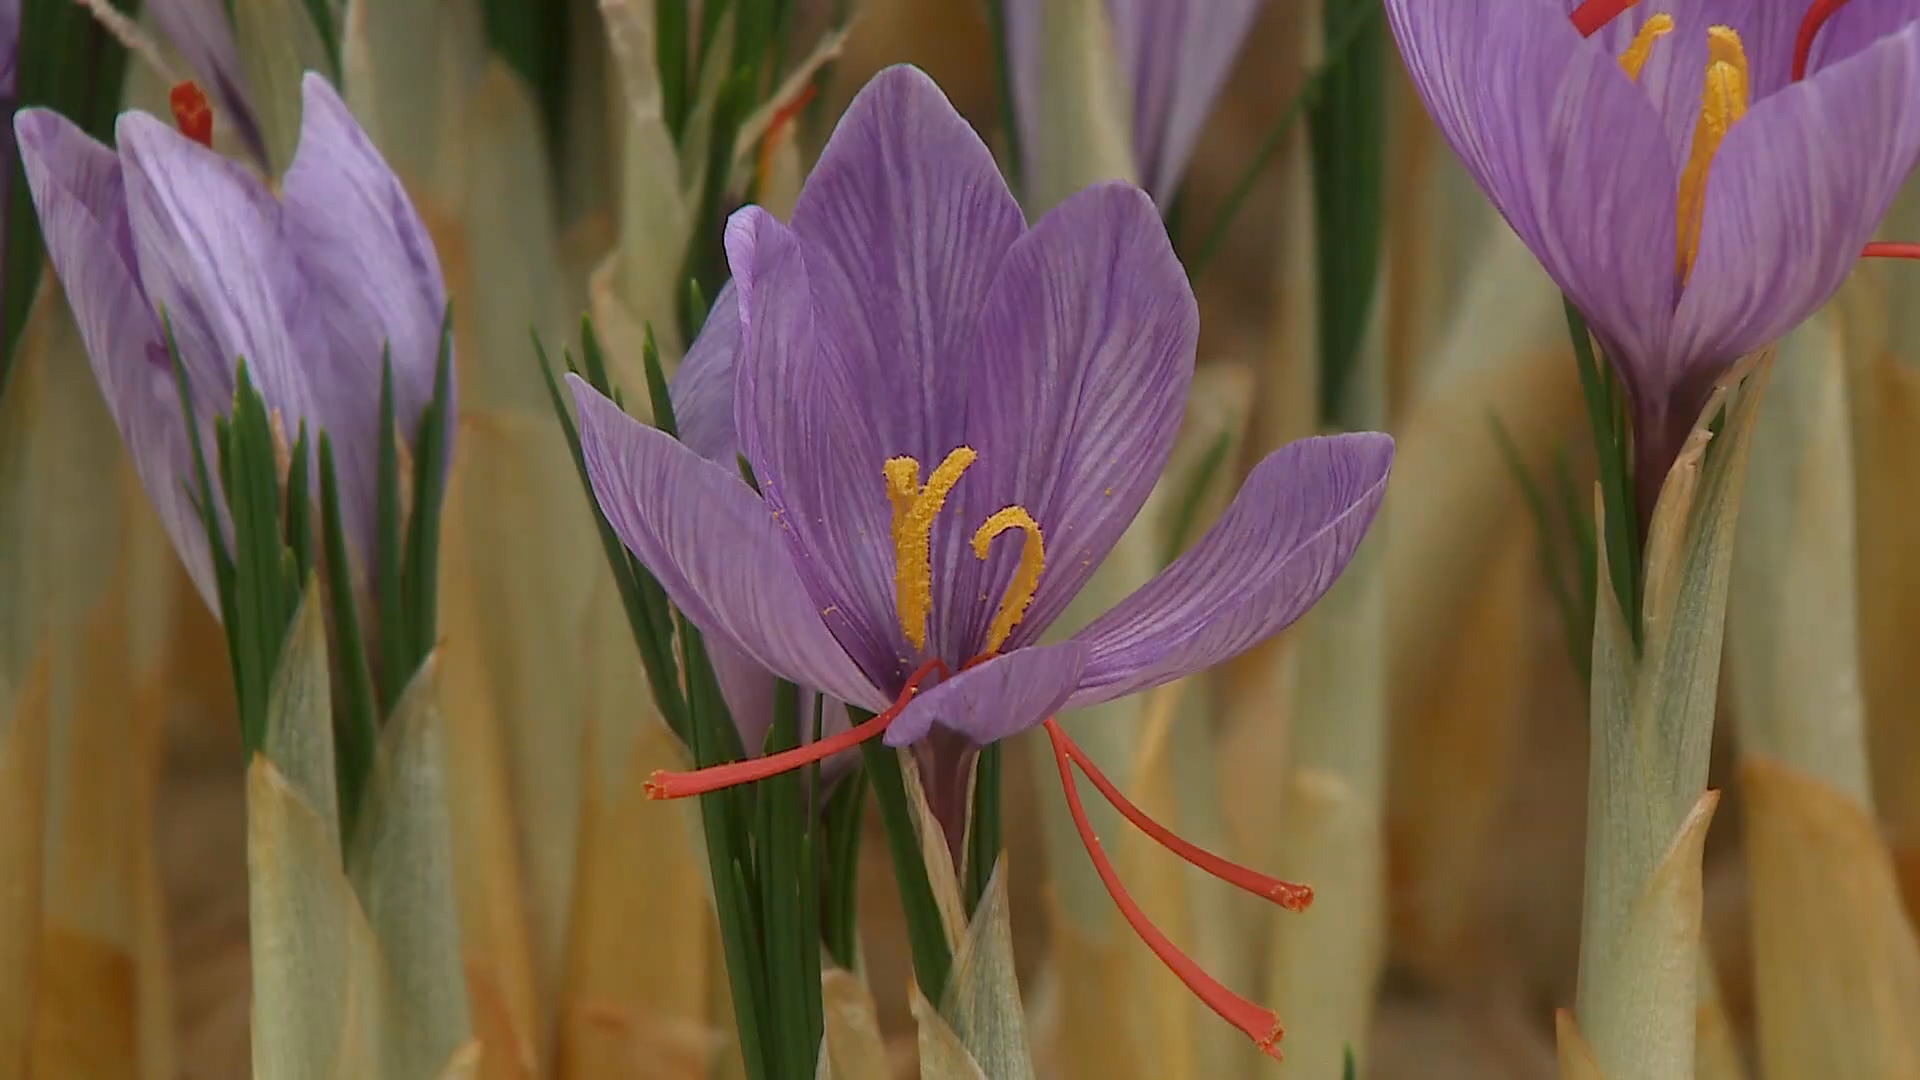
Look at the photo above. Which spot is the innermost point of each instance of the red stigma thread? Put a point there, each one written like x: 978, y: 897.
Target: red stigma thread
x: 1260, y: 1024
x: 191, y: 112
x: 1285, y: 893
x: 1590, y: 16
x: 782, y: 119
x: 1891, y: 250
x: 1816, y: 17
x: 678, y: 785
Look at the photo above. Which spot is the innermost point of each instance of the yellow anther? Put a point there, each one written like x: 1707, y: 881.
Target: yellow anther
x: 1026, y: 578
x: 1723, y: 101
x: 913, y: 509
x: 1635, y: 58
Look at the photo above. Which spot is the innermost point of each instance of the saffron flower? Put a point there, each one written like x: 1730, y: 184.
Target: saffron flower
x: 951, y: 418
x: 1175, y: 56
x: 1689, y: 192
x: 310, y: 288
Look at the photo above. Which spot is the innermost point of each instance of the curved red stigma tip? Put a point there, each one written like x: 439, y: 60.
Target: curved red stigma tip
x: 1285, y: 893
x: 1260, y: 1024
x: 192, y: 113
x: 1816, y: 17
x: 665, y: 784
x: 1590, y: 16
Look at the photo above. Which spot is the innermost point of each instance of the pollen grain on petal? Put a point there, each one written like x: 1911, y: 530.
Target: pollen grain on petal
x: 1026, y: 578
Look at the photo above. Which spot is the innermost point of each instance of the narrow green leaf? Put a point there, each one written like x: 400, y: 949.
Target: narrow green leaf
x: 672, y: 46
x: 1003, y: 87
x: 299, y: 509
x: 1277, y: 136
x: 840, y: 820
x: 984, y: 827
x: 657, y: 394
x: 356, y: 728
x: 420, y: 574
x: 926, y: 932
x: 389, y: 599
x: 1347, y: 126
x: 1616, y: 481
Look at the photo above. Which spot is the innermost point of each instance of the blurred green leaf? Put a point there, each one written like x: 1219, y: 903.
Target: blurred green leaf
x: 1347, y: 125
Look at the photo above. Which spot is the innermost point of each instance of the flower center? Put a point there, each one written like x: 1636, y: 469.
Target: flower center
x: 1723, y: 100
x: 914, y: 507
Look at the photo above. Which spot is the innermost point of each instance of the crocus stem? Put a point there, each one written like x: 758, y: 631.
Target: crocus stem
x: 926, y: 933
x: 1651, y: 721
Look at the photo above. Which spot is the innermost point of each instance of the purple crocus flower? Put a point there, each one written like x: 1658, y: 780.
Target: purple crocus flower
x: 1175, y: 54
x: 308, y: 287
x: 1690, y: 198
x: 200, y: 30
x: 951, y: 419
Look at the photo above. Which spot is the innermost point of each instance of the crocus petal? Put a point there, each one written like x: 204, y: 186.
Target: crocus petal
x: 714, y: 547
x: 904, y: 222
x: 702, y: 389
x: 76, y: 186
x: 200, y: 30
x: 1003, y: 696
x: 749, y: 692
x: 807, y: 426
x: 1084, y: 358
x: 1287, y: 536
x: 1569, y: 150
x: 211, y: 256
x: 1178, y: 54
x: 366, y: 285
x: 1798, y: 186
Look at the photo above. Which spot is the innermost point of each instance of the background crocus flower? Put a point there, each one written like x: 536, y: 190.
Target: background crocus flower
x: 308, y: 287
x: 1175, y: 56
x: 1690, y: 199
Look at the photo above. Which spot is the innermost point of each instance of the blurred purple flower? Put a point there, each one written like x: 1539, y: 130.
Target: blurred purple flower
x: 308, y: 288
x: 1691, y: 199
x: 1175, y: 54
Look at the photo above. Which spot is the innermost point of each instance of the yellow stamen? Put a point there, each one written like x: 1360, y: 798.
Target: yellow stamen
x: 1723, y: 101
x: 913, y: 510
x: 1635, y: 58
x: 1026, y: 579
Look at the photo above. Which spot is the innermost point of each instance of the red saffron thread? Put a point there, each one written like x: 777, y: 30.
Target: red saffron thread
x: 1885, y: 249
x: 191, y: 112
x: 1589, y: 17
x: 1816, y: 17
x: 1285, y: 893
x: 664, y: 784
x: 1260, y: 1024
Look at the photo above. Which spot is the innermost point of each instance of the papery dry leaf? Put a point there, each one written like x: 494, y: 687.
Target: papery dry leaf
x: 851, y: 1048
x: 320, y: 988
x: 497, y: 951
x: 636, y: 870
x: 23, y: 789
x: 465, y: 1064
x: 1576, y: 1057
x: 1324, y: 960
x: 942, y: 1057
x: 981, y: 1000
x: 400, y: 860
x: 1628, y: 1004
x: 1837, y: 964
x: 1451, y: 756
x: 1086, y: 987
x: 1084, y: 130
